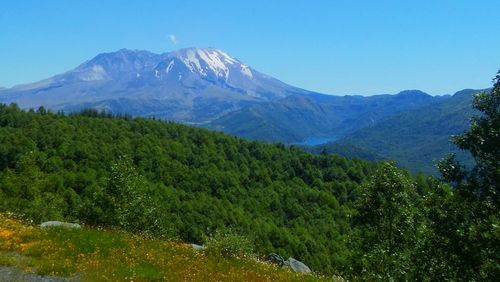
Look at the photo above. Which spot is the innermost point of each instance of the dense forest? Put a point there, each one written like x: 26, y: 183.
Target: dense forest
x: 359, y: 219
x: 173, y: 180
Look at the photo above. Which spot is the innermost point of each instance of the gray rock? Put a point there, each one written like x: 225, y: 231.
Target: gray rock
x: 198, y: 247
x: 296, y: 266
x: 49, y: 224
x: 274, y: 258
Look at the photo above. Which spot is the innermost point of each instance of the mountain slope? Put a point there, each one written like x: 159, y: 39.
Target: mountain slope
x: 296, y: 118
x: 418, y: 138
x: 189, y: 85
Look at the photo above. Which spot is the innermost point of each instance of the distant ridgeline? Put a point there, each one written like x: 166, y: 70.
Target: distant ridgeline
x: 416, y: 139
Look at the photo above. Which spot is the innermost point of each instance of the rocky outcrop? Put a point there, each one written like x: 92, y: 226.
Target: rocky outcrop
x: 275, y: 259
x: 49, y: 224
x: 296, y: 266
x: 198, y: 247
x: 291, y: 263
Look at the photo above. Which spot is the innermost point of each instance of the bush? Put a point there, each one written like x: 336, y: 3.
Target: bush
x: 227, y: 243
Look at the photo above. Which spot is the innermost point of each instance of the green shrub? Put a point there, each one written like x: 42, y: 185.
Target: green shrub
x: 227, y: 243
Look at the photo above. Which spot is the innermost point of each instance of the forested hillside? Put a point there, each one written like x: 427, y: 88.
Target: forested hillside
x: 173, y: 180
x: 362, y: 220
x: 298, y: 117
x: 416, y: 139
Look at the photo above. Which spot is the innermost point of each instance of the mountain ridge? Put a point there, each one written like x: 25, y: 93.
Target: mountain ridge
x: 316, y: 115
x: 185, y: 82
x: 418, y: 138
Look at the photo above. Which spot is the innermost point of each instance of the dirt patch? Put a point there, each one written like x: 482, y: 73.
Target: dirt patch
x: 12, y: 274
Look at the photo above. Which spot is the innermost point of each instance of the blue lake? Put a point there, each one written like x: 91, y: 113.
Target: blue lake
x: 313, y: 141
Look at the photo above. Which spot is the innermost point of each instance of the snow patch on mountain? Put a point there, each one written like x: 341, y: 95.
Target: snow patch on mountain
x: 228, y: 59
x: 170, y: 66
x: 97, y: 72
x: 211, y: 62
x: 214, y: 62
x: 245, y: 70
x: 192, y: 62
x: 200, y: 61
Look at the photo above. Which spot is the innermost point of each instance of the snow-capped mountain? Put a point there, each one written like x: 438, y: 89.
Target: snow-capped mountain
x: 209, y: 63
x: 210, y: 88
x: 189, y: 85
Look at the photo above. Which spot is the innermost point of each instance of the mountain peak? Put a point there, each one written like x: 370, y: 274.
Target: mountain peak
x: 469, y: 92
x: 413, y: 93
x: 212, y: 62
x: 183, y: 80
x: 205, y: 51
x: 115, y: 64
x: 129, y: 51
x: 124, y: 54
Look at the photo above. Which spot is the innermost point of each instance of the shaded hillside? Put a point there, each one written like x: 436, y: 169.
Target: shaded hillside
x: 295, y: 118
x: 289, y: 120
x: 346, y: 150
x: 418, y: 138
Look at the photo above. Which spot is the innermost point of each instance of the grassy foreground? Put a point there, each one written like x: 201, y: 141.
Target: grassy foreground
x: 106, y: 255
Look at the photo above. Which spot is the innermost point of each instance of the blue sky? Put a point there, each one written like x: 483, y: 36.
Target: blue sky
x: 336, y: 47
